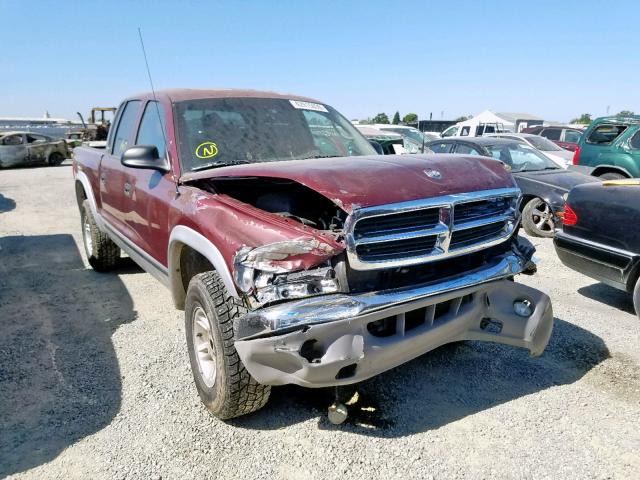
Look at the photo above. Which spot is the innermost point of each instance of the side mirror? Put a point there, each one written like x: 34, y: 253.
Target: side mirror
x: 377, y: 147
x: 144, y: 156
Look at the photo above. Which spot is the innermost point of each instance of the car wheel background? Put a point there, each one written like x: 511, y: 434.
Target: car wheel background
x: 537, y: 218
x: 636, y: 297
x: 56, y: 158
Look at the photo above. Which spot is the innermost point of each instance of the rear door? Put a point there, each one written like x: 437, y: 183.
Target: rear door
x: 441, y: 147
x: 112, y: 178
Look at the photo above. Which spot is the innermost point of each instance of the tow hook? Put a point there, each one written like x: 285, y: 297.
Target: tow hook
x: 338, y: 411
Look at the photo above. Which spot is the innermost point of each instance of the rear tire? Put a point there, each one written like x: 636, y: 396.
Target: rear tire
x: 612, y: 176
x: 55, y: 159
x: 636, y: 297
x: 102, y: 253
x: 537, y: 218
x: 222, y: 381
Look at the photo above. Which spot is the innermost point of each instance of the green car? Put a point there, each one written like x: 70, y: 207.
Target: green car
x: 610, y: 148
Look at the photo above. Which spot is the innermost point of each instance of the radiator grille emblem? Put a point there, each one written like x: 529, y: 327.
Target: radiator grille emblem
x: 434, y: 174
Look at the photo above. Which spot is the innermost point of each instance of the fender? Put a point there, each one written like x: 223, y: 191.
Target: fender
x: 86, y: 184
x: 181, y: 235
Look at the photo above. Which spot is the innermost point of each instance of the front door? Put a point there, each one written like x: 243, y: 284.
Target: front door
x: 13, y: 150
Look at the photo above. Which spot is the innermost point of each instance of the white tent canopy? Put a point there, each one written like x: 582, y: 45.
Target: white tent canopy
x: 487, y: 117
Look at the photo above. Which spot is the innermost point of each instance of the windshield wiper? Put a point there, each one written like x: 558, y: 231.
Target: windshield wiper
x: 218, y: 164
x: 321, y: 156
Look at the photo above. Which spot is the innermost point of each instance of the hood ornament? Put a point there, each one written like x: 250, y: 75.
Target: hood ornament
x: 434, y: 174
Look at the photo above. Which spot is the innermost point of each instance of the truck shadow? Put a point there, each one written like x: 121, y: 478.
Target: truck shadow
x: 603, y: 293
x: 6, y: 204
x: 59, y: 375
x: 440, y: 387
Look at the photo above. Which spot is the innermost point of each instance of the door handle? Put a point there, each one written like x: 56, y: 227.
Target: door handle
x: 128, y: 189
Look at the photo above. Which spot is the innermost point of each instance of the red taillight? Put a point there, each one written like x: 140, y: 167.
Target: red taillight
x: 569, y: 217
x: 576, y: 156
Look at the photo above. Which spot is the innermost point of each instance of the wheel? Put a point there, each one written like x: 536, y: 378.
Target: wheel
x: 56, y: 158
x: 612, y: 176
x: 636, y: 297
x: 537, y: 218
x: 222, y: 381
x: 102, y: 253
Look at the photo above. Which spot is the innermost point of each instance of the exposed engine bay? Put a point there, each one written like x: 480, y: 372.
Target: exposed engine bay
x: 283, y: 197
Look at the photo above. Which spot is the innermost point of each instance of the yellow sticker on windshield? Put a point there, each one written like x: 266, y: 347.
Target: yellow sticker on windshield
x: 206, y: 150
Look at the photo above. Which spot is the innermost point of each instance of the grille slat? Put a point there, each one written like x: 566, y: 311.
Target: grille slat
x: 419, y: 231
x: 397, y: 223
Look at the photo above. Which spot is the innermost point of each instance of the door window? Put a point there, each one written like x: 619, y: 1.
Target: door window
x: 34, y: 138
x: 440, y: 147
x: 466, y: 150
x: 12, y: 140
x: 572, y: 136
x: 152, y: 129
x: 551, y: 133
x: 635, y: 141
x: 605, y: 134
x: 465, y: 131
x: 125, y: 127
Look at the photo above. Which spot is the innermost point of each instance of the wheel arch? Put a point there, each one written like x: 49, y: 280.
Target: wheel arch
x: 602, y: 169
x: 191, y: 253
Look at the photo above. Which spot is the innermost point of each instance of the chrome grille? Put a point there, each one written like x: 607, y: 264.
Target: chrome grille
x: 420, y: 231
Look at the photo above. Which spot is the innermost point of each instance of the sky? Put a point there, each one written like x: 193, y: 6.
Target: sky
x: 555, y: 59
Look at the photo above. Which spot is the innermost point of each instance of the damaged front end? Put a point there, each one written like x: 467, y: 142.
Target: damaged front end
x: 271, y: 273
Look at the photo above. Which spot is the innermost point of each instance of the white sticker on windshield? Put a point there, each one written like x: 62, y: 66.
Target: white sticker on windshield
x: 308, y: 106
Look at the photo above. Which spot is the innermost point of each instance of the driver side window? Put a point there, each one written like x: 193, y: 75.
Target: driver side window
x: 12, y: 140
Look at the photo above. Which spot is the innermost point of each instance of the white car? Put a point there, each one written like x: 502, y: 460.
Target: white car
x: 559, y: 155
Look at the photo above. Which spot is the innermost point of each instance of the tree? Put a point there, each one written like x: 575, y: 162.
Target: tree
x: 410, y: 117
x: 461, y: 119
x: 625, y: 113
x: 381, y: 118
x: 396, y: 118
x: 584, y: 119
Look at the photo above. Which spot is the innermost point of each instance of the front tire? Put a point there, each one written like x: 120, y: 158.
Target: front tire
x: 222, y: 381
x: 102, y: 254
x: 537, y: 218
x: 55, y: 159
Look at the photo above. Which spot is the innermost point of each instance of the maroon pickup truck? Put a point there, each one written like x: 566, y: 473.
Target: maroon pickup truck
x: 297, y: 253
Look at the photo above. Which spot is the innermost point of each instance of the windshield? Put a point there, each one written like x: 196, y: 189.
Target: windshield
x: 227, y: 131
x: 521, y: 158
x: 543, y: 144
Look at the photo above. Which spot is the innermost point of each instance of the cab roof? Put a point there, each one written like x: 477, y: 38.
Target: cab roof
x: 182, y: 94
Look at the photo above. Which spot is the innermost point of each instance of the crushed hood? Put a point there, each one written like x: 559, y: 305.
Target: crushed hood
x: 353, y: 182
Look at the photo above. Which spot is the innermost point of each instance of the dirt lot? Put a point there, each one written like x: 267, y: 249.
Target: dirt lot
x: 95, y: 382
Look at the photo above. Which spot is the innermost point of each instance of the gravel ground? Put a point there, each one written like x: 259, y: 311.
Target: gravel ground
x: 95, y: 381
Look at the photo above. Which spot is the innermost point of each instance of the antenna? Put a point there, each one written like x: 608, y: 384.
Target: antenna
x: 155, y: 101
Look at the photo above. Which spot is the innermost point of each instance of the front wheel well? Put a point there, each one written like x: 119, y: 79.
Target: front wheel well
x: 599, y: 171
x: 187, y: 263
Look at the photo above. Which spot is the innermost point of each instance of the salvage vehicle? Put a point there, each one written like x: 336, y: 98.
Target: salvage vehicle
x: 559, y: 155
x: 564, y: 137
x: 385, y: 143
x: 23, y: 149
x: 610, y: 148
x: 299, y: 255
x: 610, y: 255
x: 414, y: 139
x: 542, y: 181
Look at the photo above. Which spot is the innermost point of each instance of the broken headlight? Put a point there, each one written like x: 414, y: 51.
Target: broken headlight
x: 263, y: 272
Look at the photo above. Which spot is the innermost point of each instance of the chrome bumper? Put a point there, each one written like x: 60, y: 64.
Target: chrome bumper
x: 325, y: 341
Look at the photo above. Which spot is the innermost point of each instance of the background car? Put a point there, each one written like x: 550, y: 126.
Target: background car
x: 596, y: 239
x: 412, y: 136
x: 554, y: 152
x: 385, y: 143
x: 542, y: 181
x: 610, y: 148
x: 19, y: 149
x: 565, y: 137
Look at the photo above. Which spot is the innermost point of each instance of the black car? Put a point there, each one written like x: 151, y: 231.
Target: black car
x: 543, y: 182
x: 600, y: 236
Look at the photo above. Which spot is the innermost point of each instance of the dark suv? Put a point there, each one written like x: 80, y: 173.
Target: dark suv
x: 564, y: 137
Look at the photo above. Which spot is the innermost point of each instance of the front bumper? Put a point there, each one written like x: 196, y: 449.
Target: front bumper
x: 345, y: 344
